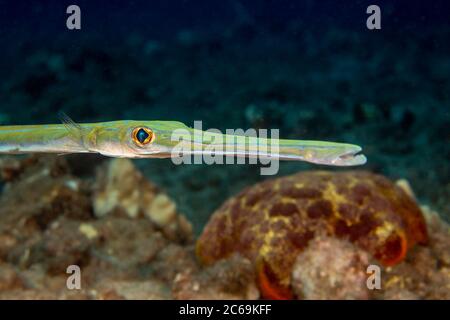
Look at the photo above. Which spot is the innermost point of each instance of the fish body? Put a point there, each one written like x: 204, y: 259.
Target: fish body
x: 161, y: 139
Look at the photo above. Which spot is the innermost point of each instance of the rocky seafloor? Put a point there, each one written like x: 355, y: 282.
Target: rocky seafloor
x: 131, y: 242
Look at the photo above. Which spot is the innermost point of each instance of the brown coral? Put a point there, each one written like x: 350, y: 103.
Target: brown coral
x: 272, y: 222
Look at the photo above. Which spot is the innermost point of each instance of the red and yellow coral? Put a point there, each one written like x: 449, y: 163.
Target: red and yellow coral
x: 272, y: 222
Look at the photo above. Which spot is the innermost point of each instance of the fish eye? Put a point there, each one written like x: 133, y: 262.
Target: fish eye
x: 142, y: 136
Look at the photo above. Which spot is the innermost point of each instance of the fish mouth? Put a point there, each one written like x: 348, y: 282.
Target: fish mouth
x: 350, y: 157
x: 343, y: 155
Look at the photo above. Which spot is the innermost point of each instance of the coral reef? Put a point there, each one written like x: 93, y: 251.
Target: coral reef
x: 425, y: 273
x: 122, y: 188
x: 128, y: 245
x: 232, y: 278
x: 331, y: 268
x: 56, y: 212
x: 272, y: 222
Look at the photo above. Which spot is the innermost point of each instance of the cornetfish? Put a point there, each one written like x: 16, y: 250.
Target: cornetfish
x: 163, y: 139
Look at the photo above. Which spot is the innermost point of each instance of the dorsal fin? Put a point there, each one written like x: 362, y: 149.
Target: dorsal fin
x: 75, y: 130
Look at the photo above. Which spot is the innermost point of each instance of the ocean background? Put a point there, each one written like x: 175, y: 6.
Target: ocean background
x: 309, y: 68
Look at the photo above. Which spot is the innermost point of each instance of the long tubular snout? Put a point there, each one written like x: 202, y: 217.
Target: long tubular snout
x: 326, y: 153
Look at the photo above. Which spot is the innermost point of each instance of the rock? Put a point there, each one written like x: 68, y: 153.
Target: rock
x: 425, y: 274
x: 7, y: 243
x: 42, y: 193
x: 128, y: 251
x: 331, y: 268
x: 10, y: 168
x: 172, y: 260
x: 229, y: 279
x: 128, y: 243
x: 33, y: 294
x: 121, y: 187
x: 400, y: 294
x: 404, y: 184
x: 131, y: 290
x: 9, y: 279
x: 162, y: 210
x: 272, y: 222
x: 88, y: 231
